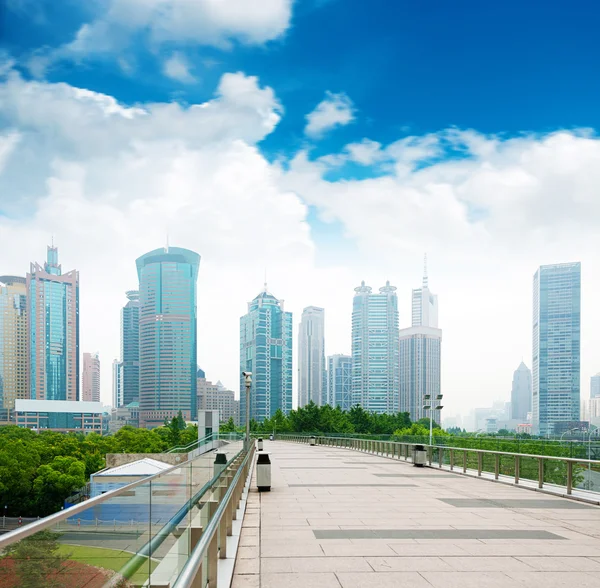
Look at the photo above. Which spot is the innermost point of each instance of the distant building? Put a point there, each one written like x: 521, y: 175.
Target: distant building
x: 167, y: 334
x: 375, y: 355
x: 520, y: 396
x: 339, y: 381
x: 556, y: 347
x: 122, y: 416
x: 53, y: 331
x: 13, y: 341
x: 266, y: 351
x: 59, y: 415
x: 216, y: 397
x: 594, y: 383
x: 119, y: 476
x: 91, y: 377
x: 117, y: 383
x: 130, y: 348
x: 420, y: 354
x: 311, y: 356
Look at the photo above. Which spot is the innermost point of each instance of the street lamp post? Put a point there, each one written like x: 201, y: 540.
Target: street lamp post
x: 248, y: 383
x: 428, y: 405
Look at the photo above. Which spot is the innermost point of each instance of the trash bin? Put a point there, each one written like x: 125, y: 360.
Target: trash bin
x: 220, y: 463
x: 419, y: 455
x: 312, y: 441
x: 271, y: 437
x: 263, y: 472
x: 260, y: 444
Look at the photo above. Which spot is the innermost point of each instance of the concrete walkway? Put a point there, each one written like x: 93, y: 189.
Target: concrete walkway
x: 338, y: 518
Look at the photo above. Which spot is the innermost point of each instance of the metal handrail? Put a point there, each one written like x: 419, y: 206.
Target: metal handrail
x: 192, y: 566
x: 18, y: 534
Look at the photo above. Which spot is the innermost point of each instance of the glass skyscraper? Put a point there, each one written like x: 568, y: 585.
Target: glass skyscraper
x: 520, y: 396
x: 13, y: 340
x: 311, y: 356
x: 339, y: 381
x: 167, y: 341
x: 266, y: 351
x: 53, y: 331
x: 130, y: 349
x: 375, y: 349
x: 556, y: 346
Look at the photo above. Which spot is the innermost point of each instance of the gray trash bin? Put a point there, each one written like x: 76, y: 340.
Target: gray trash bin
x: 271, y: 437
x: 312, y: 441
x: 419, y: 455
x: 263, y: 472
x: 260, y: 444
x: 220, y: 463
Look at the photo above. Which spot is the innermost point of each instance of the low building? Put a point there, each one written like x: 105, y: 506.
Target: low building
x: 59, y: 415
x: 123, y: 416
x: 117, y: 477
x: 217, y: 397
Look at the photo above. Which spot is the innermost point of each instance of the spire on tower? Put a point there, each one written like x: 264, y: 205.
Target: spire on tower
x: 425, y: 280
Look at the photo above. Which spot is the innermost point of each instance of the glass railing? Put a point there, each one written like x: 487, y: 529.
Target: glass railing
x: 140, y: 534
x: 208, y: 443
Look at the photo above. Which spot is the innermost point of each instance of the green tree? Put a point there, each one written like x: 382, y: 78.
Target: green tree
x: 55, y: 481
x: 228, y: 427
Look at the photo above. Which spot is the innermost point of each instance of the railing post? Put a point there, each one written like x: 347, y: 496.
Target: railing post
x: 569, y: 477
x: 451, y: 459
x: 541, y: 472
x: 465, y: 462
x: 497, y: 466
x: 213, y: 546
x: 517, y: 468
x: 479, y: 462
x: 441, y: 455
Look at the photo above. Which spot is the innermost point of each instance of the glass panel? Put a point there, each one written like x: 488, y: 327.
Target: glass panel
x: 528, y: 468
x: 507, y: 466
x: 489, y: 463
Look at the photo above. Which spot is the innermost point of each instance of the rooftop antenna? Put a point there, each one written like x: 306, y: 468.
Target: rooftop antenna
x: 167, y: 247
x: 425, y: 280
x: 265, y: 279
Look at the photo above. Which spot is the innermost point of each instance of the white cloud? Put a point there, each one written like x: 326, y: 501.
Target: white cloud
x: 366, y: 152
x: 335, y: 110
x: 177, y: 68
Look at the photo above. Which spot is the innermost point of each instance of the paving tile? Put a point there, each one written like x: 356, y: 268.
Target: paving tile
x: 408, y: 564
x: 246, y: 566
x: 245, y: 552
x: 316, y: 580
x: 314, y: 564
x: 487, y: 564
x: 556, y: 579
x: 246, y: 581
x: 383, y: 580
x: 472, y: 580
x: 561, y: 564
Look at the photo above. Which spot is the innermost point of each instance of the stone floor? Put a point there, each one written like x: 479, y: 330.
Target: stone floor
x: 337, y: 518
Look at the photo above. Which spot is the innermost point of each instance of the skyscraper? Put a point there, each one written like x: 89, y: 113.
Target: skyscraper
x: 13, y: 340
x: 117, y: 383
x: 594, y: 383
x: 130, y: 348
x: 266, y: 351
x: 339, y: 381
x: 520, y: 397
x: 90, y: 379
x: 53, y: 331
x: 167, y: 334
x: 375, y: 378
x: 420, y: 353
x: 311, y: 356
x: 556, y: 346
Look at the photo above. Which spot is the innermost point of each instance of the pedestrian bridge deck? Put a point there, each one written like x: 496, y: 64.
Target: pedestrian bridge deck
x: 338, y: 518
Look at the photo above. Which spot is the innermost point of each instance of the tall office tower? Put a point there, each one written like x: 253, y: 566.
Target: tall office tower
x: 420, y: 353
x: 311, y: 356
x: 556, y: 346
x: 53, y: 331
x: 90, y: 377
x: 117, y: 383
x: 13, y: 340
x: 520, y: 397
x: 375, y: 349
x: 594, y: 383
x: 266, y: 351
x: 167, y: 289
x: 339, y: 381
x: 130, y: 348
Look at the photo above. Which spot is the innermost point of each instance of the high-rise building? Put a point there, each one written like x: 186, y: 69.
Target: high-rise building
x: 168, y: 346
x: 90, y: 379
x: 311, y: 356
x: 594, y: 383
x: 216, y: 397
x: 117, y: 383
x: 339, y: 381
x: 13, y: 340
x: 53, y: 331
x: 266, y: 351
x: 556, y: 346
x: 375, y: 349
x: 420, y: 354
x: 130, y: 348
x: 520, y: 397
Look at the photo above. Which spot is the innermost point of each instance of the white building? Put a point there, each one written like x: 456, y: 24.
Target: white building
x: 311, y: 357
x: 420, y: 353
x: 90, y: 378
x: 117, y: 383
x: 595, y: 386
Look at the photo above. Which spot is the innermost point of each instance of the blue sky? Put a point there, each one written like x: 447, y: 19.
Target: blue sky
x: 329, y: 141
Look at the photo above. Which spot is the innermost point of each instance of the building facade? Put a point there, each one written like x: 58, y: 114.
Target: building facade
x: 90, y: 378
x: 266, y: 351
x: 339, y: 381
x: 167, y: 341
x: 130, y: 348
x: 13, y: 340
x: 53, y: 331
x: 520, y: 396
x: 375, y: 349
x: 311, y: 357
x: 216, y: 397
x: 117, y: 383
x: 556, y: 347
x: 65, y: 416
x: 421, y: 354
x: 594, y: 383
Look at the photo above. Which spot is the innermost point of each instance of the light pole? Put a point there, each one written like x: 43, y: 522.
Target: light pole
x: 589, y: 452
x: 427, y: 405
x: 248, y: 383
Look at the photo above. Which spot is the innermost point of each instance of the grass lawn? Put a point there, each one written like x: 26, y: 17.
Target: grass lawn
x: 109, y: 559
